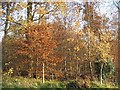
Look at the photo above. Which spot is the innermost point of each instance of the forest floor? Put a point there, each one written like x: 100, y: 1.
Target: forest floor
x: 20, y: 82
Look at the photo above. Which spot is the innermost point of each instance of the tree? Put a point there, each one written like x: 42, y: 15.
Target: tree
x: 48, y: 33
x: 39, y: 48
x: 70, y: 48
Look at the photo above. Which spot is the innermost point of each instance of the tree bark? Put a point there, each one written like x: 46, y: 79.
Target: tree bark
x: 37, y: 69
x: 43, y: 73
x: 29, y: 12
x: 5, y: 35
x: 91, y: 70
x: 101, y: 73
x: 65, y: 69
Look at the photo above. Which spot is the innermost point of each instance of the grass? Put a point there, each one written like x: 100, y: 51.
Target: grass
x: 96, y: 84
x: 20, y: 82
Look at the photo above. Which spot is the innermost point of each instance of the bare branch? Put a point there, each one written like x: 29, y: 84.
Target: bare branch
x: 42, y: 15
x: 116, y: 4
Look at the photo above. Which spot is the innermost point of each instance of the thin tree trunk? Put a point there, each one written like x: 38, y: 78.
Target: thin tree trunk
x: 91, y: 70
x: 29, y: 18
x: 31, y: 69
x: 101, y: 73
x: 4, y: 53
x: 118, y: 70
x: 43, y: 73
x: 37, y: 70
x: 77, y: 70
x: 65, y: 68
x: 29, y: 11
x: 52, y: 76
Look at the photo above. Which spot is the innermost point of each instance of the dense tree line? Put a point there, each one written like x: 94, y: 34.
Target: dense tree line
x: 48, y: 42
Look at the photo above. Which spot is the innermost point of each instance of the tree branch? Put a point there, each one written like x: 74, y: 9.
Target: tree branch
x: 116, y: 4
x: 42, y: 16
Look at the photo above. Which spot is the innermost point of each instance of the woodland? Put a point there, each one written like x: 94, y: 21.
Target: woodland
x: 59, y: 45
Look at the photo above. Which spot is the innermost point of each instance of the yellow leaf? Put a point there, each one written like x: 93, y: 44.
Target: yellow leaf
x: 76, y: 48
x: 70, y: 39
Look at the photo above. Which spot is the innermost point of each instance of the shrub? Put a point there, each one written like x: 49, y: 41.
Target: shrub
x: 71, y: 84
x: 52, y: 84
x: 78, y: 84
x: 108, y: 68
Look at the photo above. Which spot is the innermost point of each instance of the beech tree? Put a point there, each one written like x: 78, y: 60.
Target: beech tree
x: 35, y: 54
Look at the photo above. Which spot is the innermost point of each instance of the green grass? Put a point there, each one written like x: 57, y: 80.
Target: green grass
x: 96, y: 84
x: 20, y: 82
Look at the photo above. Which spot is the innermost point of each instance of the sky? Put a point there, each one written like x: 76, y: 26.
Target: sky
x: 1, y: 35
x: 106, y: 7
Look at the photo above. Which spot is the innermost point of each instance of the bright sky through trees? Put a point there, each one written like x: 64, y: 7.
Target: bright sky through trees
x: 104, y: 7
x: 64, y: 40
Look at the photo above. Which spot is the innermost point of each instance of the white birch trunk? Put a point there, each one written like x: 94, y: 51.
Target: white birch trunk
x: 43, y: 73
x: 101, y: 70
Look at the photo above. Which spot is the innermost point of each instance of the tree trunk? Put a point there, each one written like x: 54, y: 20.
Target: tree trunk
x: 101, y: 73
x: 118, y: 77
x: 52, y: 76
x: 77, y: 70
x: 37, y: 70
x: 31, y: 69
x: 4, y: 52
x: 29, y: 11
x: 65, y: 68
x: 91, y: 70
x: 43, y: 73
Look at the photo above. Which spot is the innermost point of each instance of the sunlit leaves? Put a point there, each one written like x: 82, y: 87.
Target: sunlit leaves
x: 21, y: 5
x: 62, y: 6
x: 38, y: 46
x: 10, y: 18
x: 42, y: 10
x: 70, y: 39
x: 2, y: 12
x: 76, y: 48
x: 65, y: 38
x: 10, y: 71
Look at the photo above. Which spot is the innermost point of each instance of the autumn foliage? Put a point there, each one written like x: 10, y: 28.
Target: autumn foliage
x: 50, y: 43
